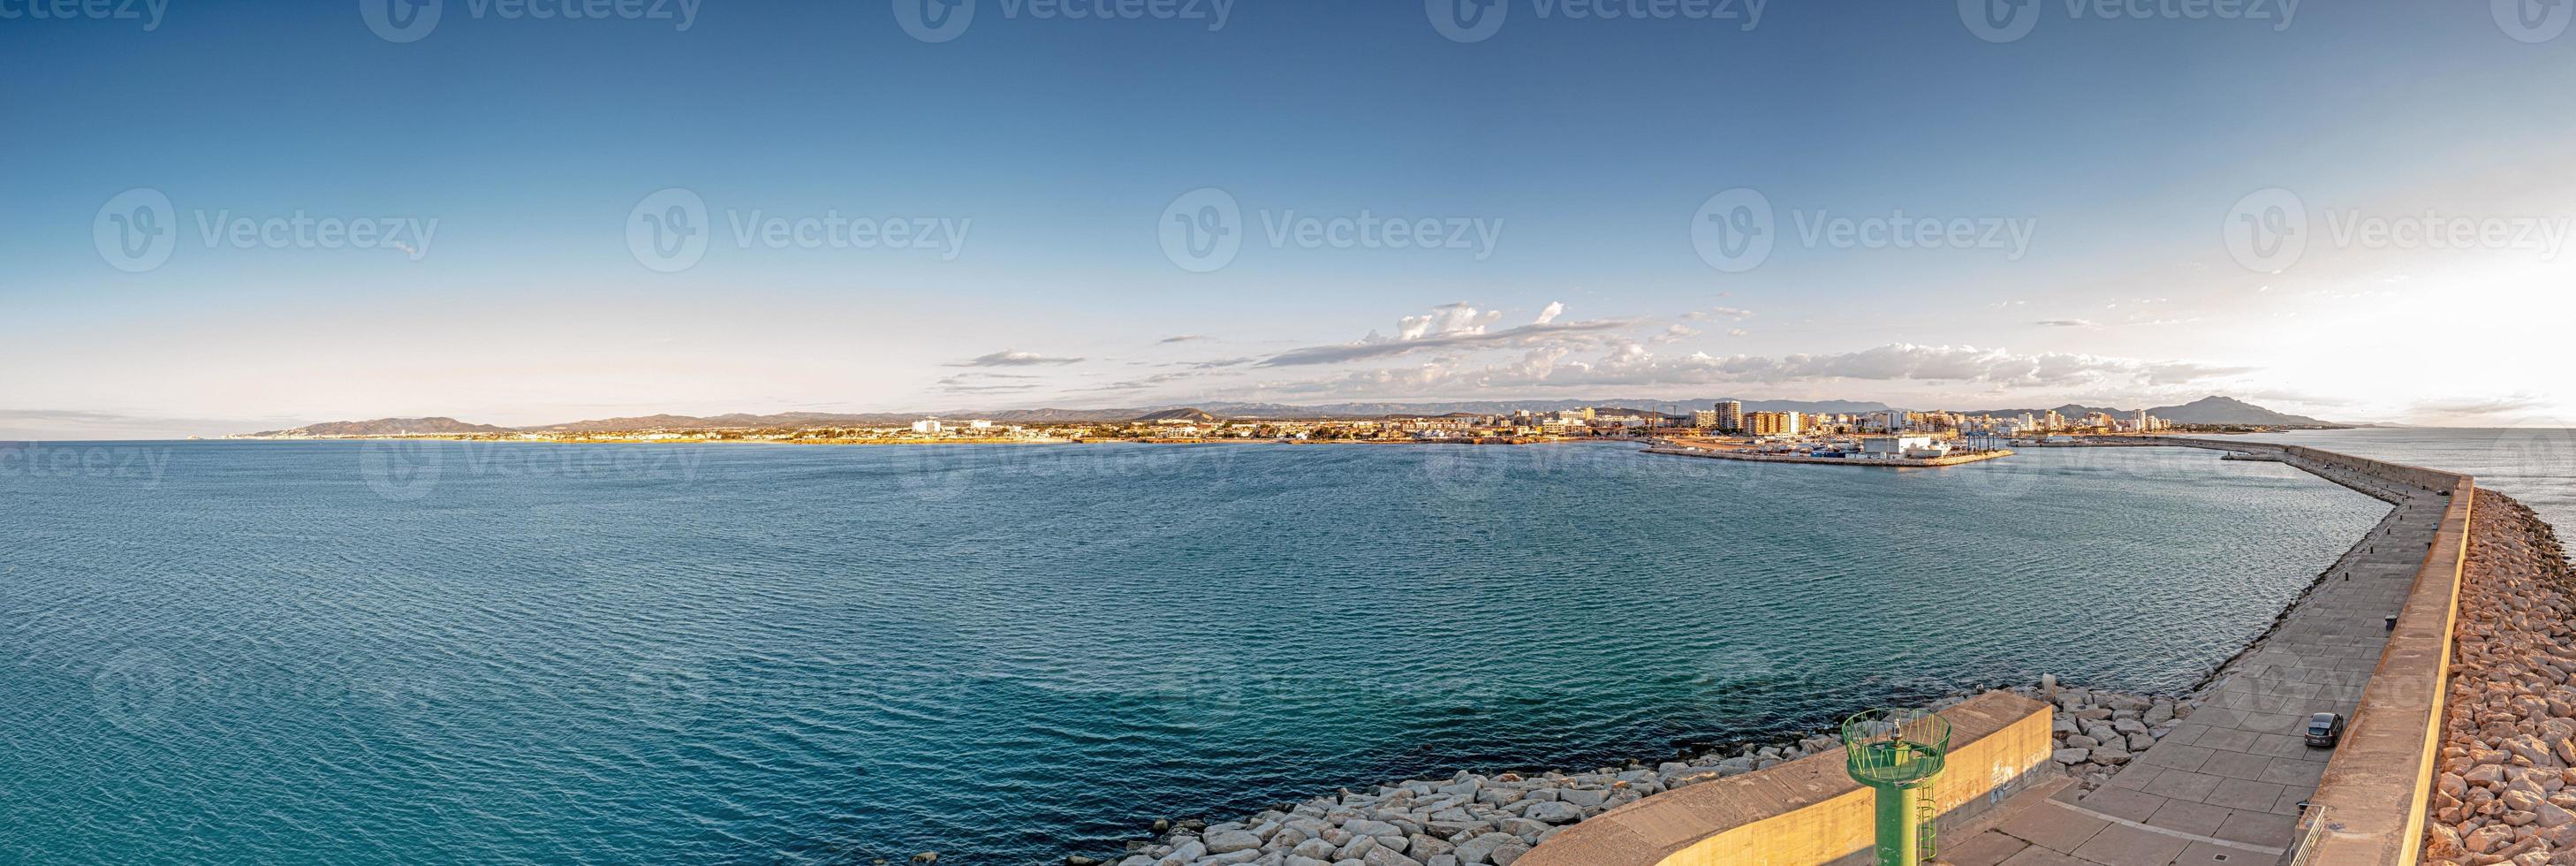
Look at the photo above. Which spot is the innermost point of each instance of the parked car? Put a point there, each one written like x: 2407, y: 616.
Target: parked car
x: 2324, y: 730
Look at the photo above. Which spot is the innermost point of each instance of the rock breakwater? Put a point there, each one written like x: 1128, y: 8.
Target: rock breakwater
x: 1465, y: 819
x: 2505, y: 790
x: 1475, y: 818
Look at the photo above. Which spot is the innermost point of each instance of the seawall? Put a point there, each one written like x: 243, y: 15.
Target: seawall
x: 2232, y: 777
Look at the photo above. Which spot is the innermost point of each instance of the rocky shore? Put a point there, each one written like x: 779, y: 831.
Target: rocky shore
x: 1468, y: 818
x: 2508, y: 757
x: 1473, y: 818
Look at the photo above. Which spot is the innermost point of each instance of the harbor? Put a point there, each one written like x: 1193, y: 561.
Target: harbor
x: 1893, y: 452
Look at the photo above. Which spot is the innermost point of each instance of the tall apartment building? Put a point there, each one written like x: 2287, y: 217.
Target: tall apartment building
x: 1772, y: 423
x: 1730, y: 415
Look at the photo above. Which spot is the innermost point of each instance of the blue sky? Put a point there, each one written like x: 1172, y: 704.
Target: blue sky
x: 1034, y: 162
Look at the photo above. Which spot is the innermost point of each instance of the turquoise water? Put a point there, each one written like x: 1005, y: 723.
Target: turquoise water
x: 451, y: 653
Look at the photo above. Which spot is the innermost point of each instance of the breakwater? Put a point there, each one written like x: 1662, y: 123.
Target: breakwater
x: 2506, y: 752
x: 2228, y: 748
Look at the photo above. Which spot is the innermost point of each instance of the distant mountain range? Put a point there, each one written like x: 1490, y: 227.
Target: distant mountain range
x: 2208, y: 410
x: 389, y: 427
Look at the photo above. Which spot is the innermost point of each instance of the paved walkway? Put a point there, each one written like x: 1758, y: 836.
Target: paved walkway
x: 2225, y: 785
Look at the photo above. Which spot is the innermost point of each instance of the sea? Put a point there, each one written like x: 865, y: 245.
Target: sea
x: 445, y: 652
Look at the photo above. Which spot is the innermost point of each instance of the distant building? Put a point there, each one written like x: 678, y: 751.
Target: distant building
x: 1772, y: 423
x: 1704, y: 418
x: 925, y: 425
x: 1894, y: 446
x: 1730, y: 415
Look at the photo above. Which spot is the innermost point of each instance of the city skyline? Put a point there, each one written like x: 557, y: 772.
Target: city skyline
x: 934, y: 220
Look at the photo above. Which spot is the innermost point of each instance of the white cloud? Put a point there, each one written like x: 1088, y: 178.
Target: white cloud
x: 1010, y: 358
x: 1445, y: 320
x: 1449, y: 327
x: 1630, y: 363
x: 1554, y: 309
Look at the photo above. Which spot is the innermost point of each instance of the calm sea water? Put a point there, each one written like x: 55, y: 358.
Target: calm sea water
x: 2536, y: 465
x: 300, y: 652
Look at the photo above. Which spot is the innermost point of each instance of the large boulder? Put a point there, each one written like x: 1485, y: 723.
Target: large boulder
x: 1554, y: 812
x: 1230, y: 841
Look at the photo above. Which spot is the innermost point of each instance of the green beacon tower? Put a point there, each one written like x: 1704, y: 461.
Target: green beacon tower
x: 1898, y: 753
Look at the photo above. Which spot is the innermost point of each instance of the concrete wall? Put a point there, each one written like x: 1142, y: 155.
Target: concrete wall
x: 2369, y: 809
x: 1809, y: 811
x: 2371, y: 803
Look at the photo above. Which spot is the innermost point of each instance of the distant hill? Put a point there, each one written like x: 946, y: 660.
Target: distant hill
x: 2229, y: 410
x: 1181, y: 414
x: 388, y: 427
x: 736, y: 420
x: 2206, y: 410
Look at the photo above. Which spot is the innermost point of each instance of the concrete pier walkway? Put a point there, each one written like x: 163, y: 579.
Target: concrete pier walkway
x: 2228, y: 784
